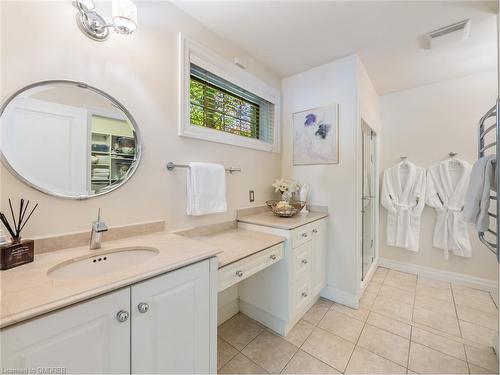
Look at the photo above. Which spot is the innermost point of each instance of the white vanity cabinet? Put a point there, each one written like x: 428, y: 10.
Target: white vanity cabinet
x: 83, y: 338
x: 319, y: 245
x: 279, y: 296
x: 171, y: 323
x: 166, y: 324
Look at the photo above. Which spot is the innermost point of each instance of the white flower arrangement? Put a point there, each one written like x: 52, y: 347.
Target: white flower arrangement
x: 285, y: 186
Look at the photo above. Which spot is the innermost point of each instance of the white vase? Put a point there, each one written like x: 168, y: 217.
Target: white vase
x: 286, y: 196
x: 303, y: 196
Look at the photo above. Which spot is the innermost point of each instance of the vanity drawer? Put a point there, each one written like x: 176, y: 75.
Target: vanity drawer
x: 302, y: 291
x: 246, y: 267
x: 302, y: 259
x: 301, y: 235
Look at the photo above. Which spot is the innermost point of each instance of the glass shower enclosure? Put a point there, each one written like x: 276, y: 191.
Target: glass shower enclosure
x: 368, y: 198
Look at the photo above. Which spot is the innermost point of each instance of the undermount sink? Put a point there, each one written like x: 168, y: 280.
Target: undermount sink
x: 101, y: 263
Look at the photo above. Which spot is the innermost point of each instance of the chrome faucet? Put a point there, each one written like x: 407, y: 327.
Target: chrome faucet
x: 98, y: 227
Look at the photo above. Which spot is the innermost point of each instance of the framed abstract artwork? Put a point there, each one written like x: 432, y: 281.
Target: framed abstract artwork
x: 316, y: 136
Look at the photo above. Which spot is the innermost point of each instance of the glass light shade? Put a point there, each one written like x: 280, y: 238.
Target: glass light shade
x: 86, y: 5
x: 124, y: 16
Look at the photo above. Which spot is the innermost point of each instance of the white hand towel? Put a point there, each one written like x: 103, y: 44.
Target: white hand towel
x: 477, y: 202
x: 206, y: 189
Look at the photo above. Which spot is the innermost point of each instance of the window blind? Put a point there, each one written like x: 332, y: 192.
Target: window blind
x: 219, y: 104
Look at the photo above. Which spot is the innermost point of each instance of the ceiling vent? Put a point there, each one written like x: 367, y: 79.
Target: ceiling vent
x: 456, y: 32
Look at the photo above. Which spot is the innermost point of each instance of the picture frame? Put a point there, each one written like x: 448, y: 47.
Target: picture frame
x: 316, y: 136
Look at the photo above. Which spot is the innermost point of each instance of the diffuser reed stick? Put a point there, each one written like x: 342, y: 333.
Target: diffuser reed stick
x: 7, y: 225
x: 19, y: 224
x: 31, y: 213
x: 17, y: 252
x: 12, y: 213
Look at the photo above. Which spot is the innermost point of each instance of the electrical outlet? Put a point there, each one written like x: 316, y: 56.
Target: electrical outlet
x: 251, y: 195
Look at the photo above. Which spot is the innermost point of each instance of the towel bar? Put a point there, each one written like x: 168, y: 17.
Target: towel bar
x: 171, y: 166
x: 484, y: 129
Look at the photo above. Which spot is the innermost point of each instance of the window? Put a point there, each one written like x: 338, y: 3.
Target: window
x: 218, y: 109
x: 224, y: 103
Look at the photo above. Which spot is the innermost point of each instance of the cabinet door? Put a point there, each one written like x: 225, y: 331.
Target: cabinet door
x: 173, y: 335
x: 319, y: 245
x: 84, y: 338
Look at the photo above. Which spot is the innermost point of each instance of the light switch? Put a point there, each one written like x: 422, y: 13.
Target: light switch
x: 251, y: 195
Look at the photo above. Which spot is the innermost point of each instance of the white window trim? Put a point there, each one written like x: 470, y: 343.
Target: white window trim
x: 192, y: 52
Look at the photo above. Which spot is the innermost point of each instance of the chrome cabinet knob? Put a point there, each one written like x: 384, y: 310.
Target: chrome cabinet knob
x: 143, y: 307
x: 304, y: 235
x: 315, y: 231
x: 273, y: 257
x: 122, y: 316
x: 304, y: 294
x: 239, y: 273
x: 304, y: 261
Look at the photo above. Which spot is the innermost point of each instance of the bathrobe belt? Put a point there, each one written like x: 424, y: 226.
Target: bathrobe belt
x: 404, y: 224
x: 453, y: 214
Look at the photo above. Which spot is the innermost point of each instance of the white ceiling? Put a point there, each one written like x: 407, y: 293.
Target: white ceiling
x: 292, y: 36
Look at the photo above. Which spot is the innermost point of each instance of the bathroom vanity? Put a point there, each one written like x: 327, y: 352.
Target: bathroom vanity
x: 270, y: 268
x: 280, y: 296
x: 157, y: 316
x: 148, y: 304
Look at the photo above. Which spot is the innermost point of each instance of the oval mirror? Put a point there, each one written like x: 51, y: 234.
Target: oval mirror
x: 68, y: 139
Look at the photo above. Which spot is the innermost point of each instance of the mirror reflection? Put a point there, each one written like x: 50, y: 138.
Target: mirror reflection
x: 68, y: 139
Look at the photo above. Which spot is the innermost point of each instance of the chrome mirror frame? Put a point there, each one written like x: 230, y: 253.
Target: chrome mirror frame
x: 137, y: 132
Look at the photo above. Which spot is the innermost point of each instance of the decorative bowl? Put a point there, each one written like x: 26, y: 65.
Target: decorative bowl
x: 286, y: 209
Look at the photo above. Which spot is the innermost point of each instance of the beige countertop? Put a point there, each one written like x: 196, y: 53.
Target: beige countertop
x: 235, y: 243
x: 271, y: 220
x: 27, y: 291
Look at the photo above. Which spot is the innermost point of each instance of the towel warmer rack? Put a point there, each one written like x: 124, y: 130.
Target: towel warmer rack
x: 171, y: 166
x: 483, y: 147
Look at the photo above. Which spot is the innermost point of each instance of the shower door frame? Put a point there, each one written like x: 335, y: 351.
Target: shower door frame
x: 363, y: 279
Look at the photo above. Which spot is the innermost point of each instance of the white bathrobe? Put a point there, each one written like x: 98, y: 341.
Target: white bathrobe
x: 447, y: 184
x: 403, y: 195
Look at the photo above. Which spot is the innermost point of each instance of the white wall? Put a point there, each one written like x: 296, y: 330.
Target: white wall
x: 40, y: 41
x: 333, y: 185
x: 425, y: 124
x: 369, y: 103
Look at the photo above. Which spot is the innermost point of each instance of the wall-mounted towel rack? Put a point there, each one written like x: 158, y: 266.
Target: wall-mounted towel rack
x: 171, y: 166
x: 487, y: 143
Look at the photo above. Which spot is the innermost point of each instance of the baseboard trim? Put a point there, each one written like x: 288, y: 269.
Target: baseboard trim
x: 276, y: 324
x: 340, y: 296
x: 368, y: 276
x: 273, y: 322
x: 227, y: 311
x: 457, y: 278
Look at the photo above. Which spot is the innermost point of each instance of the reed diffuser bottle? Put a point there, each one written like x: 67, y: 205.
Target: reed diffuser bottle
x: 18, y: 251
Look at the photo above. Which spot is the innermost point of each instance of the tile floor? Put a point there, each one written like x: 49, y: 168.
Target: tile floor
x: 406, y: 324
